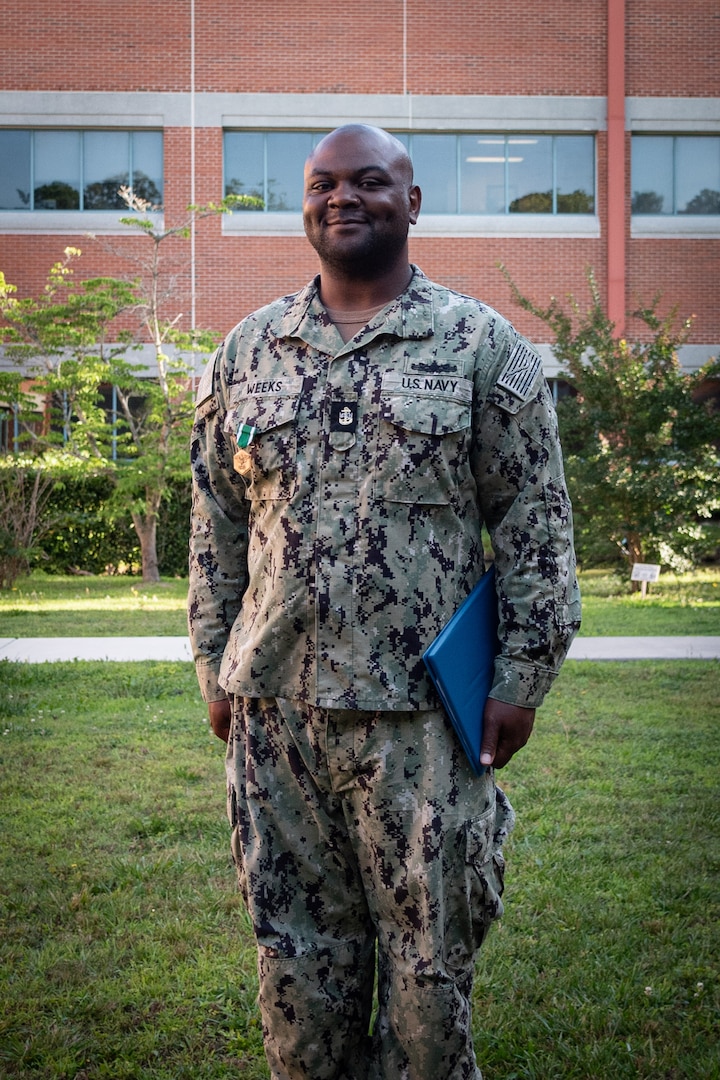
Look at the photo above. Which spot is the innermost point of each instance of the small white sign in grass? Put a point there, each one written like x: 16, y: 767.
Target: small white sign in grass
x: 645, y: 573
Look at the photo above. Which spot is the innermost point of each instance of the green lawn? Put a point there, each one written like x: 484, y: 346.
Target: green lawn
x: 125, y: 953
x: 45, y: 606
x: 677, y: 604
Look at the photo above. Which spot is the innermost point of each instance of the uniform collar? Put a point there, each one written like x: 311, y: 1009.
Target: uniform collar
x: 410, y: 315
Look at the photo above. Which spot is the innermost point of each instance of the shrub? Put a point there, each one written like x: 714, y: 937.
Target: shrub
x: 87, y: 537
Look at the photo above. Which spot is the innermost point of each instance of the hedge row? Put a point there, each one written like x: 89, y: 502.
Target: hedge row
x: 84, y: 539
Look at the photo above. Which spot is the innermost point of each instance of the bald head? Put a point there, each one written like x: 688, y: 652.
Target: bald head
x: 391, y: 149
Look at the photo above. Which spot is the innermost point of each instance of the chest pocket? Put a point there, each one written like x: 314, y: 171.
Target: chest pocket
x: 423, y: 438
x: 271, y: 464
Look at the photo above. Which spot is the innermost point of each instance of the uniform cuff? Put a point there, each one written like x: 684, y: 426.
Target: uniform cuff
x: 207, y: 676
x: 521, y: 684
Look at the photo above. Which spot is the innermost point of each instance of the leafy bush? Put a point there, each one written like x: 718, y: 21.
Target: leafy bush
x: 88, y: 537
x: 84, y: 538
x: 24, y: 495
x: 640, y: 434
x: 174, y: 530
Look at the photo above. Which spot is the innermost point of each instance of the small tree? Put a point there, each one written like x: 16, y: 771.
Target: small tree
x: 641, y: 450
x: 24, y: 493
x: 60, y: 344
x: 68, y: 348
x: 158, y: 412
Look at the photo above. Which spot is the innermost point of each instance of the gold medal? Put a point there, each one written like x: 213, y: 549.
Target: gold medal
x: 242, y: 462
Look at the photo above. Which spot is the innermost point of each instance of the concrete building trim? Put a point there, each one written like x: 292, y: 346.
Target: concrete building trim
x: 69, y: 222
x: 465, y: 226
x: 691, y: 357
x: 424, y: 113
x: 678, y: 114
x: 441, y: 112
x: 682, y: 227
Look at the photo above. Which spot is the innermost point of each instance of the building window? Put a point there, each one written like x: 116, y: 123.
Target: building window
x: 676, y: 174
x: 268, y: 165
x: 458, y: 174
x: 78, y: 170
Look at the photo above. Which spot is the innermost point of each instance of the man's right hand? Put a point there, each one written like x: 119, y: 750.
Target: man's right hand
x: 220, y: 718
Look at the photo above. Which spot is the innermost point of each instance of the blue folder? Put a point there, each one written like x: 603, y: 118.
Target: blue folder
x: 461, y: 662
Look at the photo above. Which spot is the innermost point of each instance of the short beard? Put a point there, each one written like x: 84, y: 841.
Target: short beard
x: 367, y: 262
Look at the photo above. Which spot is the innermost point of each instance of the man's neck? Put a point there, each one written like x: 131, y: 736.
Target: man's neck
x: 344, y: 292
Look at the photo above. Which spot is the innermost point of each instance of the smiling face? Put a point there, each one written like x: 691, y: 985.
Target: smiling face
x: 359, y: 200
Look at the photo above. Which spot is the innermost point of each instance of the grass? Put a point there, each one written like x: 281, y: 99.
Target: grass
x: 676, y: 604
x: 42, y: 605
x: 45, y: 606
x: 126, y: 954
x: 125, y: 951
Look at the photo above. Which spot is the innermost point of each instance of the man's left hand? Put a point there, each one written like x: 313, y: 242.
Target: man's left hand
x: 220, y: 716
x: 506, y: 729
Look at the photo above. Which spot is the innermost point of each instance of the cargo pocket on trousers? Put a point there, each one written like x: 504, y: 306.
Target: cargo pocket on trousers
x: 484, y: 875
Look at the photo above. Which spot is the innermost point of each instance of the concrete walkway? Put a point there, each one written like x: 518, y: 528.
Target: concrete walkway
x: 40, y: 650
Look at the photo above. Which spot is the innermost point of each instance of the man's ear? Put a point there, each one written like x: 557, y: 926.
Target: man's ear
x: 415, y: 199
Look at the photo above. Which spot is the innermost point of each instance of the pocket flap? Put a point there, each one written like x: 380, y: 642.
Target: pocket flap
x: 265, y: 411
x: 431, y: 404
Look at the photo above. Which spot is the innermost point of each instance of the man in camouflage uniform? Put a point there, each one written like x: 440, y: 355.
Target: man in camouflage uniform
x: 350, y: 441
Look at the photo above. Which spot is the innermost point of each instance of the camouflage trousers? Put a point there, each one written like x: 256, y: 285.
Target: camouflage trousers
x: 369, y: 856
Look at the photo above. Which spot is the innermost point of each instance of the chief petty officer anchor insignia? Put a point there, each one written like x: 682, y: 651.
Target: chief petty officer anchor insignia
x: 343, y: 416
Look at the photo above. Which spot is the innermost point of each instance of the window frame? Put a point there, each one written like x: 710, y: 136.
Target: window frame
x: 637, y: 137
x: 267, y: 222
x: 34, y: 219
x: 678, y: 118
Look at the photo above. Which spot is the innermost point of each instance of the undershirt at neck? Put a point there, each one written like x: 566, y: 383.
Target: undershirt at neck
x: 348, y: 323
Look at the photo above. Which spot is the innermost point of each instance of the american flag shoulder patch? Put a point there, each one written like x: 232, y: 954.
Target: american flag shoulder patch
x: 519, y: 372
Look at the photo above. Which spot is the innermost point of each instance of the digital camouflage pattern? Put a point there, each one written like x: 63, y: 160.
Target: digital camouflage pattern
x: 338, y: 496
x: 322, y: 569
x: 350, y: 828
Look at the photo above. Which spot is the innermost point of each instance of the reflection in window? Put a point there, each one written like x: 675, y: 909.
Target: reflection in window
x: 481, y: 175
x: 675, y: 174
x: 574, y: 164
x: 78, y: 170
x: 530, y: 175
x: 244, y: 163
x: 268, y: 165
x: 458, y: 174
x: 56, y: 172
x: 105, y: 163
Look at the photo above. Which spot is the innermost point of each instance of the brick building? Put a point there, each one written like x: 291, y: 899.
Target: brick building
x: 549, y: 137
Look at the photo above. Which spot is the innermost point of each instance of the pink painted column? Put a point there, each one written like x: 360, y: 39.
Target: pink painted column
x: 616, y: 153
